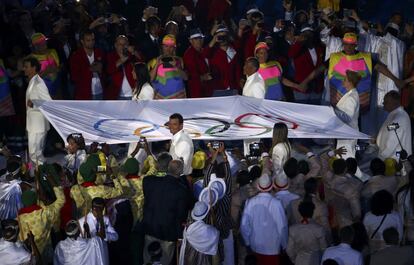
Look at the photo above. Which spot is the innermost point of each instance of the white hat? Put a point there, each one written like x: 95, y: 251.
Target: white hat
x: 219, y: 185
x: 281, y: 182
x: 200, y: 210
x: 264, y: 183
x: 209, y: 196
x: 252, y: 10
x: 198, y: 187
x: 393, y: 26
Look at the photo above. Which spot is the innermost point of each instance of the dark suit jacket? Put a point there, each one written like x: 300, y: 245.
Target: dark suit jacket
x: 166, y: 205
x: 147, y: 47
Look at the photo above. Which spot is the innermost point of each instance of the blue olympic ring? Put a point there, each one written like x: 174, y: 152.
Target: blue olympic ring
x: 99, y: 123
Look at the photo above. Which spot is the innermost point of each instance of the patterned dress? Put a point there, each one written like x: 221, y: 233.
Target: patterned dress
x: 168, y: 83
x: 361, y: 63
x: 271, y: 72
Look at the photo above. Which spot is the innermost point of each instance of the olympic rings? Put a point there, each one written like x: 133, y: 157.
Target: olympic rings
x: 238, y: 120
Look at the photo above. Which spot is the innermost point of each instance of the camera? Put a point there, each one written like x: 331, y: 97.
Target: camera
x: 254, y: 150
x: 359, y: 147
x: 398, y: 154
x: 101, y: 169
x: 347, y: 12
x: 260, y: 24
x: 393, y: 126
x: 215, y: 145
x: 166, y: 59
x: 141, y: 142
x: 222, y: 38
x: 166, y: 62
x: 125, y: 52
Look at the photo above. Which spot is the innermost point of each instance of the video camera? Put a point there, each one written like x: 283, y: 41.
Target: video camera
x: 393, y: 126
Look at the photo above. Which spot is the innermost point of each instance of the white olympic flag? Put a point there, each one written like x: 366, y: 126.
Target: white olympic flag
x: 223, y: 118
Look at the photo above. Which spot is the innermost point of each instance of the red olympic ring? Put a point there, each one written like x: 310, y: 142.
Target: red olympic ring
x: 238, y: 121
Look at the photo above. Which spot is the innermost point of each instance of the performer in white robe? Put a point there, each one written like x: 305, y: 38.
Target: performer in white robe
x: 79, y: 251
x: 13, y: 252
x: 200, y: 240
x: 390, y: 51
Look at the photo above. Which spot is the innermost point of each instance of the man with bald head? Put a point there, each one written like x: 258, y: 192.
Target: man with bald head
x: 166, y: 205
x: 387, y: 141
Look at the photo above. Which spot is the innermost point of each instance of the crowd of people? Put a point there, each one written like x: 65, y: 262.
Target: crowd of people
x: 284, y: 201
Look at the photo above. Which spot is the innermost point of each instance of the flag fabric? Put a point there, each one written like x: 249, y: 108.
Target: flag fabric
x: 223, y: 118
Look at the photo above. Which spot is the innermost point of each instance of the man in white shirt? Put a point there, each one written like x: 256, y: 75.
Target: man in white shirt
x: 13, y: 252
x: 36, y: 124
x: 80, y: 251
x: 181, y: 144
x: 387, y: 140
x: 255, y: 85
x: 264, y: 226
x: 344, y: 254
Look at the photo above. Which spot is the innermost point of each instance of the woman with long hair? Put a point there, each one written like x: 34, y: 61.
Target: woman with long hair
x: 143, y: 89
x: 280, y: 147
x: 405, y: 202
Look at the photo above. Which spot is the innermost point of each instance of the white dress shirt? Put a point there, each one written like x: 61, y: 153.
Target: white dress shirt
x: 111, y: 234
x: 96, y: 85
x: 182, y: 147
x: 254, y: 86
x: 264, y: 226
x: 286, y: 197
x: 343, y: 254
x: 387, y: 140
x: 82, y: 251
x: 13, y: 253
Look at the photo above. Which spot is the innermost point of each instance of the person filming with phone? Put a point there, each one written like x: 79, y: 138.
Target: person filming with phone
x: 395, y: 133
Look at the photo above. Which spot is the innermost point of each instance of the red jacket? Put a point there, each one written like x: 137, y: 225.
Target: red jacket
x: 225, y: 74
x: 81, y: 74
x: 196, y: 65
x: 304, y: 66
x: 116, y: 75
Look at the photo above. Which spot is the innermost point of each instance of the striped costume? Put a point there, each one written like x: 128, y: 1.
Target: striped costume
x: 271, y: 72
x: 361, y: 63
x: 168, y: 83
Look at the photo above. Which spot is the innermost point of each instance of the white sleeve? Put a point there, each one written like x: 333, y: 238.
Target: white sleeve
x: 245, y: 225
x: 111, y: 234
x: 58, y: 256
x: 282, y: 224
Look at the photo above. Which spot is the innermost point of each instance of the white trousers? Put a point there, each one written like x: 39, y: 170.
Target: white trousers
x: 36, y: 143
